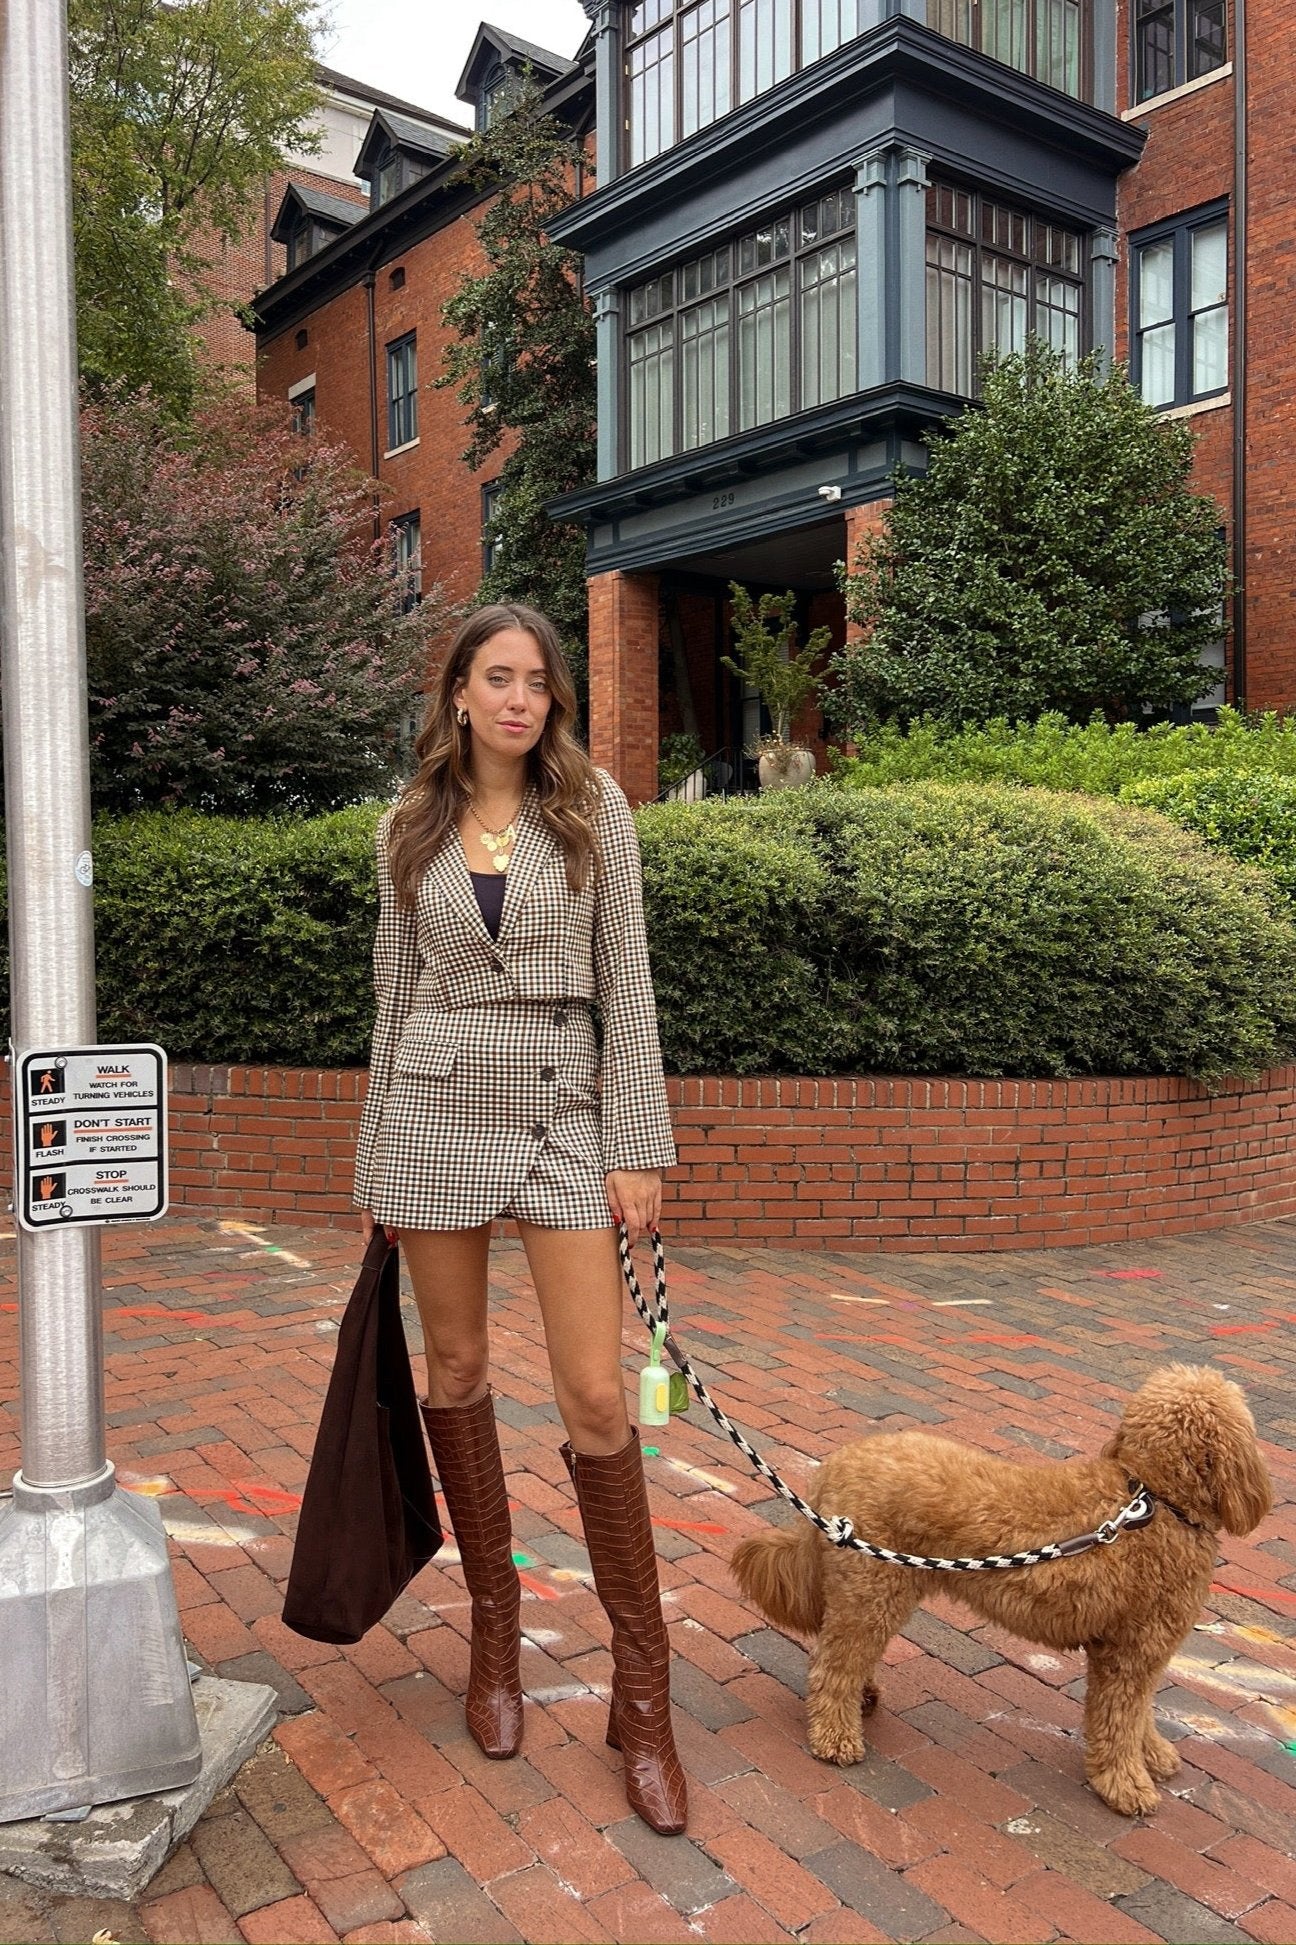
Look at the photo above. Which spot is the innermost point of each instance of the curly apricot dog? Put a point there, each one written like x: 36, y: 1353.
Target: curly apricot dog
x: 1187, y: 1435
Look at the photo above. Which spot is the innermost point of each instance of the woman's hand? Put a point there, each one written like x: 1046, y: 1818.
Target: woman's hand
x: 634, y: 1197
x: 368, y: 1225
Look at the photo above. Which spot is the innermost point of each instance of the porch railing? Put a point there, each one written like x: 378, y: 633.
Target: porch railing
x: 723, y: 774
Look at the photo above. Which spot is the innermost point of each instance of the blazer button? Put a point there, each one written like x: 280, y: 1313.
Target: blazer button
x: 560, y: 1017
x: 539, y: 1131
x: 548, y: 1073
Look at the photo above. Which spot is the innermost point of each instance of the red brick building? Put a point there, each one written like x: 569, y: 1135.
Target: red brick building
x: 809, y: 219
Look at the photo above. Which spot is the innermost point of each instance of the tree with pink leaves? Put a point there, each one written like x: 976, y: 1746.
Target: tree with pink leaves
x: 250, y: 646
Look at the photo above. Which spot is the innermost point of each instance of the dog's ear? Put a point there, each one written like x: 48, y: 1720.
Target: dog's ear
x: 1237, y: 1478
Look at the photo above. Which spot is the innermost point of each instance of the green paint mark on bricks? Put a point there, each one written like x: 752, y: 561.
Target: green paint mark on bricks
x: 523, y: 1560
x: 652, y: 1451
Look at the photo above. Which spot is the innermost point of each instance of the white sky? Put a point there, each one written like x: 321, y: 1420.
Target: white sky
x: 417, y: 49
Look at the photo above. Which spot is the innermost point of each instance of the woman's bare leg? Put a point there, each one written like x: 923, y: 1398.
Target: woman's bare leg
x: 448, y: 1270
x: 577, y: 1276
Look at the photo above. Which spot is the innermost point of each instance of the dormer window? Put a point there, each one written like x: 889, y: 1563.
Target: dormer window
x: 399, y: 151
x: 499, y: 92
x: 498, y: 66
x: 396, y: 171
x: 305, y: 240
x: 309, y: 220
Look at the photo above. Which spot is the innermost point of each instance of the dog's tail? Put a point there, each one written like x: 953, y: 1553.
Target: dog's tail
x: 782, y: 1573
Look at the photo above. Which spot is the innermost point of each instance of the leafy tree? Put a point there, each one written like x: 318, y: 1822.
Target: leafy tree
x: 765, y: 635
x: 1052, y: 557
x: 248, y: 646
x: 523, y: 363
x: 178, y: 113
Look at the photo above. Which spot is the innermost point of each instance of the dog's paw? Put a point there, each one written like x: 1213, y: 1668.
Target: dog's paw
x: 868, y: 1699
x: 836, y: 1744
x: 1161, y: 1757
x: 1126, y: 1789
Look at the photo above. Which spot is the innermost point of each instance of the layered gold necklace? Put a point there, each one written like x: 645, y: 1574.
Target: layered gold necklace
x: 499, y: 844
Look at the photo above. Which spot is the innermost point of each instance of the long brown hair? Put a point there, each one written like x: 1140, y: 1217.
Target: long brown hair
x: 559, y: 772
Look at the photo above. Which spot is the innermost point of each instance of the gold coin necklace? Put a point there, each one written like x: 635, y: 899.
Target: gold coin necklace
x: 499, y: 843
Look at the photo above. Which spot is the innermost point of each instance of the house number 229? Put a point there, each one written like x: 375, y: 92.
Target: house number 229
x: 722, y: 500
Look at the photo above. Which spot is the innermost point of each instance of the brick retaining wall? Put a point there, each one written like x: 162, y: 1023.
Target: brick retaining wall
x: 870, y: 1163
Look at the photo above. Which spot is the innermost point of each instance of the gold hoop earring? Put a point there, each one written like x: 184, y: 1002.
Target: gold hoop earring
x: 462, y: 715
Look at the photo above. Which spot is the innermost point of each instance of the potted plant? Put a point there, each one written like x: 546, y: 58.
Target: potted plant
x: 766, y: 655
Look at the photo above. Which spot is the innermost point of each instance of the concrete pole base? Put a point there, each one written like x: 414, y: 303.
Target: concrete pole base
x: 119, y: 1848
x: 96, y: 1702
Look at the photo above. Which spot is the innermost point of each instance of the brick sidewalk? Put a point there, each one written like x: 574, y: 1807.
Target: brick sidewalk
x: 371, y: 1816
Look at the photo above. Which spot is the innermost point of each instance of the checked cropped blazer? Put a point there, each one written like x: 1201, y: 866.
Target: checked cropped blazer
x: 488, y: 1091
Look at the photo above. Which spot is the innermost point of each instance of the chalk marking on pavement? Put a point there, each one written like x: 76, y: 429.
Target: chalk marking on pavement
x: 1254, y: 1593
x: 958, y: 1303
x: 540, y: 1588
x: 835, y: 1296
x: 700, y: 1478
x: 257, y: 1235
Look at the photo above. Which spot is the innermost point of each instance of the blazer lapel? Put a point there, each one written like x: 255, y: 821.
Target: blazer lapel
x: 448, y: 875
x: 534, y: 848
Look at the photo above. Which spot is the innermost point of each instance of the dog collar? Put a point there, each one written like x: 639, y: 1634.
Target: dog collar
x: 1198, y: 1526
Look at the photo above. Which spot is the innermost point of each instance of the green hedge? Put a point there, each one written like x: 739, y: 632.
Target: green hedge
x: 1055, y: 754
x: 962, y: 929
x: 1250, y: 817
x: 925, y: 929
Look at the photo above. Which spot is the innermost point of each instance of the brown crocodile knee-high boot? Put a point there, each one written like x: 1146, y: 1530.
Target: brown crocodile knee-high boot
x: 613, y: 1503
x: 466, y: 1454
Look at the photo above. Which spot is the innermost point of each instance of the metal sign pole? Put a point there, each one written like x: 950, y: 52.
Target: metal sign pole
x: 95, y: 1701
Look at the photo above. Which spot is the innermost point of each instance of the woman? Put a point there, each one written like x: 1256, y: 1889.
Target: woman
x: 510, y: 898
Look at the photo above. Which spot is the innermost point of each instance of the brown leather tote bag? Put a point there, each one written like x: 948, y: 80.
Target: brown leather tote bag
x: 368, y: 1520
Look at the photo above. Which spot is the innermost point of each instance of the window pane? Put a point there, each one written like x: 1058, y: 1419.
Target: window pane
x: 1207, y: 43
x: 649, y: 13
x: 1156, y: 47
x: 1004, y: 314
x: 1003, y: 30
x: 952, y: 17
x: 1158, y: 355
x: 652, y: 394
x: 764, y: 45
x: 402, y: 393
x: 1057, y: 315
x: 1057, y: 51
x: 1210, y: 351
x: 704, y: 363
x: 652, y: 96
x: 949, y: 315
x: 704, y: 63
x: 765, y: 349
x: 1209, y: 265
x: 829, y: 324
x: 826, y: 25
x: 1156, y: 283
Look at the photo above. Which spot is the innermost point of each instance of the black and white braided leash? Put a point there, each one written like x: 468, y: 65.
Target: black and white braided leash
x: 1137, y: 1510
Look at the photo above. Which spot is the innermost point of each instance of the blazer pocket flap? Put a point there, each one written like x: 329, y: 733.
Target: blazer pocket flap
x: 428, y: 1059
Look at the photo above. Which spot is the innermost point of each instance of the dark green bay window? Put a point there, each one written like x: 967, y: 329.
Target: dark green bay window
x: 690, y: 61
x: 996, y: 276
x: 1046, y: 38
x: 753, y: 331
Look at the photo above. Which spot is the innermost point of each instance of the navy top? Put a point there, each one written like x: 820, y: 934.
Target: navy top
x: 489, y: 887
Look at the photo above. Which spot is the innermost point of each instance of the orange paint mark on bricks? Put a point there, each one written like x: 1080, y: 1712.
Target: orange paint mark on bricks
x: 538, y: 1587
x: 1254, y: 1593
x: 255, y: 1498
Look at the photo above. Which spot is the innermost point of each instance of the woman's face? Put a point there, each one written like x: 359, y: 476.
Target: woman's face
x: 506, y: 694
